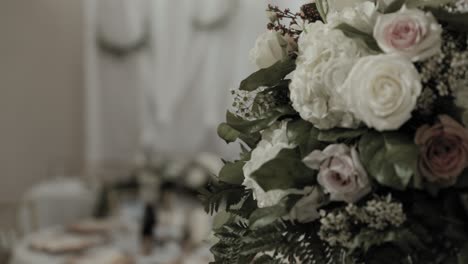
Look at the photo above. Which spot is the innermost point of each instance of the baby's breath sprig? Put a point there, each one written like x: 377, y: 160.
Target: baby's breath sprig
x: 277, y: 21
x: 254, y: 105
x: 457, y: 6
x: 340, y: 226
x: 442, y: 72
x: 291, y: 28
x: 242, y: 103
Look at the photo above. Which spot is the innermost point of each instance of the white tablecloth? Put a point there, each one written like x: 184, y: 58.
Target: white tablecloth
x: 166, y: 254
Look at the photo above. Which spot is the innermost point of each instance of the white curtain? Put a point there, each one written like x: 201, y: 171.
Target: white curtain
x: 114, y: 86
x: 170, y: 95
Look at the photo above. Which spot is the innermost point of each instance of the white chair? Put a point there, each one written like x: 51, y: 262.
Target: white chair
x: 58, y: 202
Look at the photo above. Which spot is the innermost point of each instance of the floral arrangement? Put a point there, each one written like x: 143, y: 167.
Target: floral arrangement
x: 353, y: 136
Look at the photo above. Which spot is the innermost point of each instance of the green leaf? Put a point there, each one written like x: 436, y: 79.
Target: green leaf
x: 251, y: 139
x: 265, y: 216
x: 265, y: 259
x: 253, y: 126
x: 322, y: 8
x: 464, y: 202
x: 455, y: 21
x: 390, y: 158
x: 232, y: 173
x: 220, y: 219
x: 245, y: 154
x: 463, y: 255
x: 338, y: 134
x: 386, y: 254
x: 354, y: 33
x: 283, y: 172
x: 269, y: 76
x: 462, y: 182
x: 227, y: 133
x: 403, y: 238
x: 298, y: 131
x: 304, y: 134
x: 427, y: 3
x: 394, y: 6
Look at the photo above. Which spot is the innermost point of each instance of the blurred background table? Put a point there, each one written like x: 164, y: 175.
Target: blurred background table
x: 120, y: 246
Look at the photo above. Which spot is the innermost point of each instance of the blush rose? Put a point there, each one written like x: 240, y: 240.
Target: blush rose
x: 409, y: 32
x: 341, y: 173
x: 444, y: 151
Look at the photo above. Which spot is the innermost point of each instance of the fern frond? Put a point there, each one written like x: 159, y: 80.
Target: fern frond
x: 218, y: 194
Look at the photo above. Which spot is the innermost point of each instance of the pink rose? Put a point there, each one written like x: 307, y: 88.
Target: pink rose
x: 444, y: 151
x: 409, y: 32
x: 341, y: 173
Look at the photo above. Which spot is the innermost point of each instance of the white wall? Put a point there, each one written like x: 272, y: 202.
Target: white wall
x: 41, y: 91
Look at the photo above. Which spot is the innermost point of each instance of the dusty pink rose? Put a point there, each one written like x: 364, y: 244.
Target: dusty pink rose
x: 444, y: 151
x: 409, y: 32
x: 341, y: 174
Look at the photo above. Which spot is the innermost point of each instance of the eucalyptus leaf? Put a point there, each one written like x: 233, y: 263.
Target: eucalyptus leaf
x: 265, y: 216
x: 337, y: 134
x: 390, y: 158
x: 269, y: 76
x: 232, y: 173
x: 297, y: 131
x: 220, y: 219
x: 227, y: 133
x: 284, y: 172
x: 251, y: 139
x: 355, y: 33
x: 305, y: 135
x: 394, y: 6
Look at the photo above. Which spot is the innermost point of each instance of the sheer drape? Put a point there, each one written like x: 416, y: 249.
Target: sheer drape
x: 114, y: 85
x: 170, y: 95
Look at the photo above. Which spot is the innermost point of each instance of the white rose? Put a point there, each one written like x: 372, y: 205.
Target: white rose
x: 273, y: 141
x: 270, y: 48
x: 382, y: 91
x: 409, y: 32
x: 325, y: 58
x: 341, y: 173
x: 361, y: 16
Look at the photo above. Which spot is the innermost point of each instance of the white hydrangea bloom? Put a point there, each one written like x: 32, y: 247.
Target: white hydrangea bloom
x: 326, y: 56
x: 273, y: 141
